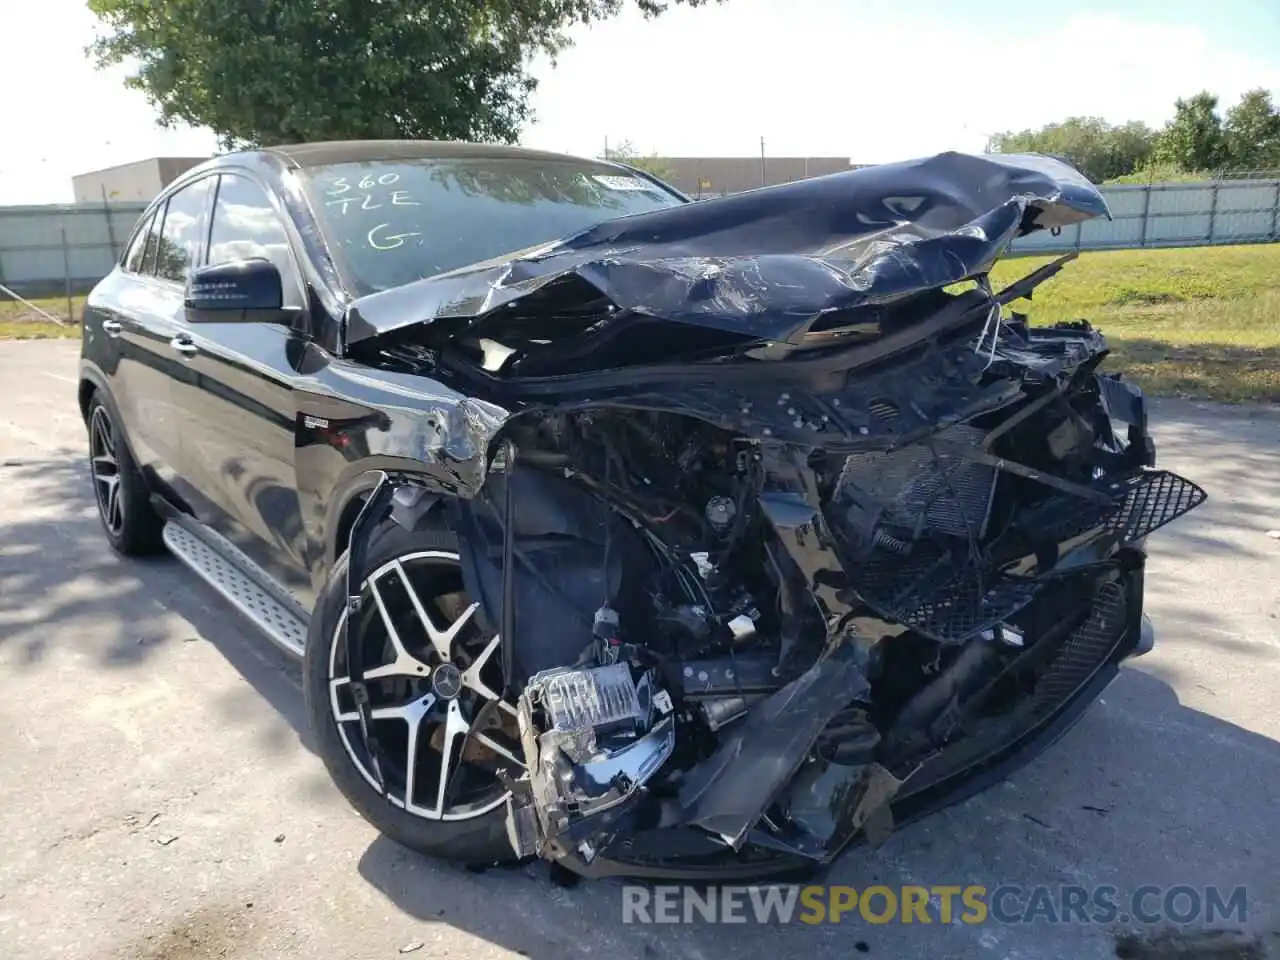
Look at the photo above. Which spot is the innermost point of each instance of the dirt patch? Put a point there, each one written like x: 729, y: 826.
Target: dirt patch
x: 1191, y: 945
x: 208, y: 933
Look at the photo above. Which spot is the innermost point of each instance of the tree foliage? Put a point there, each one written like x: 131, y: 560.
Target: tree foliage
x: 262, y: 72
x: 1194, y: 143
x: 1193, y: 139
x: 651, y: 163
x: 1251, y: 133
x: 1096, y: 148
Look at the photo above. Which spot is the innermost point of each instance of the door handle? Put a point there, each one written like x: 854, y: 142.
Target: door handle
x: 111, y: 328
x: 184, y: 346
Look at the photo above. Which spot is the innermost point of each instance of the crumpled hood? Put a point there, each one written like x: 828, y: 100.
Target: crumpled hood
x: 770, y: 262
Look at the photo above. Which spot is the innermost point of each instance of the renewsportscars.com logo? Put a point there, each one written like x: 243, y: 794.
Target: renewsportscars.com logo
x: 941, y: 903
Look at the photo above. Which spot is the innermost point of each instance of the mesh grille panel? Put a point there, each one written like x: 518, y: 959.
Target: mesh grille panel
x: 952, y: 494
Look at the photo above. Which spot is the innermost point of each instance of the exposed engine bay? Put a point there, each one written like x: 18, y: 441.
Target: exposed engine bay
x: 766, y: 645
x: 797, y: 582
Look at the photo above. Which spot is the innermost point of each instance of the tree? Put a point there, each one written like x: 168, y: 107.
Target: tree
x: 1099, y: 150
x: 1251, y: 133
x: 625, y: 152
x: 1193, y: 139
x: 263, y: 72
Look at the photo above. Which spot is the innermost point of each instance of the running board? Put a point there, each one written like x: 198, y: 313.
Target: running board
x: 240, y: 581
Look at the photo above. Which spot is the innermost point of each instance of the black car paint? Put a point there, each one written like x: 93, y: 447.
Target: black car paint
x: 272, y: 433
x: 265, y: 432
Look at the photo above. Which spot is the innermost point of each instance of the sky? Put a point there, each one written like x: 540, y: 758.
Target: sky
x: 873, y: 80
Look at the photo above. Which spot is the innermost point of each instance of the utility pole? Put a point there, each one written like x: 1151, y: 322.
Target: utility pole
x: 764, y: 180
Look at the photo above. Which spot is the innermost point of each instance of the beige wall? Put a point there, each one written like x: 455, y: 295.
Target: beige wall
x: 130, y: 182
x: 716, y: 175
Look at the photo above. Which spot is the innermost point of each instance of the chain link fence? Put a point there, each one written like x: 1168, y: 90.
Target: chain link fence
x: 1174, y: 215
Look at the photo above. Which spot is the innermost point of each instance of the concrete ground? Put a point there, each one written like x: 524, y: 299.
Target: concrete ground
x: 158, y: 798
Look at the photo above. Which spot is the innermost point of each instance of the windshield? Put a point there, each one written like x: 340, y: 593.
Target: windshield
x: 395, y: 221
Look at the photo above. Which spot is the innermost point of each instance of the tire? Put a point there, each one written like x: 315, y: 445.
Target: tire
x: 132, y: 527
x: 478, y: 839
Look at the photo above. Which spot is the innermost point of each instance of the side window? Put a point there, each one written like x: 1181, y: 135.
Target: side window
x: 133, y: 258
x: 245, y: 225
x: 180, y: 235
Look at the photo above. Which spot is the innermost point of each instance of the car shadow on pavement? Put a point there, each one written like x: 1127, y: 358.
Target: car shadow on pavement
x: 60, y: 581
x: 1142, y: 791
x: 1145, y: 789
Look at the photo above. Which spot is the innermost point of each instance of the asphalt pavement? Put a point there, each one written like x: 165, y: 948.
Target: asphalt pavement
x: 158, y: 797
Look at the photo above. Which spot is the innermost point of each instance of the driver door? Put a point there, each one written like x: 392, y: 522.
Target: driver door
x: 238, y: 411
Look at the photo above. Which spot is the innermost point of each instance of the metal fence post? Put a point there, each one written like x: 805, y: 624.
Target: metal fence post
x: 1275, y: 212
x: 1146, y: 214
x: 1213, y: 211
x: 111, y: 234
x: 66, y: 271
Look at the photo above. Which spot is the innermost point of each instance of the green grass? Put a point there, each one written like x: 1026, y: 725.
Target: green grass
x: 1200, y: 322
x: 20, y: 322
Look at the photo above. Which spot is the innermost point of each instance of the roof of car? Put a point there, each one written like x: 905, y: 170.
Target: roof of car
x: 356, y: 151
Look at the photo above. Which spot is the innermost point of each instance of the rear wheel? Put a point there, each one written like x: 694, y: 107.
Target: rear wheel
x: 434, y: 678
x: 124, y: 505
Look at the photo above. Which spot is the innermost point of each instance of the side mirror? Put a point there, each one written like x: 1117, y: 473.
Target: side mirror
x: 238, y: 290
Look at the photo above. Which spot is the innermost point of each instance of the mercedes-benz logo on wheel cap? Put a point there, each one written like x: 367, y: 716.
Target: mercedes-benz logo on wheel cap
x: 446, y: 681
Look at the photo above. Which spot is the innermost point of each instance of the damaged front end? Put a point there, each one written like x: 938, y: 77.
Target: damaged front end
x: 811, y: 574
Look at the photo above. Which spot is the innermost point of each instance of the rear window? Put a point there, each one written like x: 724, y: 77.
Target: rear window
x: 392, y: 222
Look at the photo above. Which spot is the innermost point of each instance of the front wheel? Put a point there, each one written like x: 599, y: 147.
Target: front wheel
x: 434, y: 678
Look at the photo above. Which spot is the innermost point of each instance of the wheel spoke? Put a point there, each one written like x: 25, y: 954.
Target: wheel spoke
x: 114, y: 519
x: 472, y: 681
x: 455, y: 726
x: 404, y: 664
x: 404, y: 711
x: 102, y: 431
x: 413, y: 714
x: 442, y: 640
x: 498, y: 748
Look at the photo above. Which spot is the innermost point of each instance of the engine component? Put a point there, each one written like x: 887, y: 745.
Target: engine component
x: 578, y: 701
x: 606, y: 628
x: 719, y: 712
x: 729, y: 676
x: 928, y: 718
x: 849, y: 739
x: 702, y: 560
x: 720, y: 513
x: 590, y: 746
x: 688, y: 621
x: 743, y: 627
x: 1005, y: 633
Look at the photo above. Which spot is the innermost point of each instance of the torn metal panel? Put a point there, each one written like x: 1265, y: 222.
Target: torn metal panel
x: 729, y: 791
x: 770, y: 262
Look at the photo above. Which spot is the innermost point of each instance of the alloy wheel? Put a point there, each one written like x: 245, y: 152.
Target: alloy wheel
x: 435, y: 683
x: 104, y: 466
